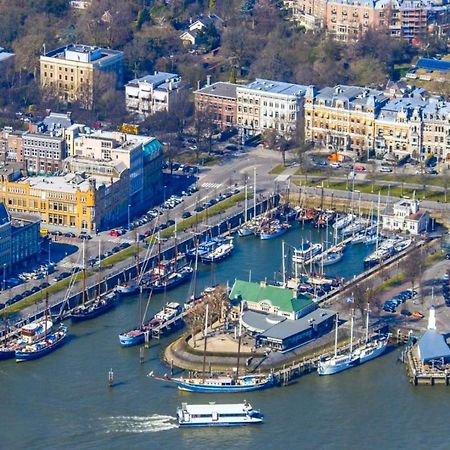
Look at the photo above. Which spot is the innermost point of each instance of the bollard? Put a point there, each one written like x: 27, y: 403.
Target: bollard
x: 147, y: 339
x: 110, y: 378
x: 141, y: 355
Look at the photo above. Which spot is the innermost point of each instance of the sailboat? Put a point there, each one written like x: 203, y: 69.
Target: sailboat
x: 136, y: 336
x: 131, y: 287
x: 371, y: 349
x: 220, y: 253
x: 167, y: 274
x: 102, y: 303
x: 339, y: 363
x: 50, y: 341
x: 245, y: 383
x: 247, y: 229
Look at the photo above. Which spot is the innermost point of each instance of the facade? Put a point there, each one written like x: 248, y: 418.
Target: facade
x: 405, y: 216
x: 348, y: 20
x: 343, y: 117
x: 398, y: 127
x: 85, y: 203
x: 220, y: 101
x: 19, y: 238
x: 266, y: 104
x: 152, y: 93
x: 73, y: 71
x: 43, y: 153
x: 141, y: 155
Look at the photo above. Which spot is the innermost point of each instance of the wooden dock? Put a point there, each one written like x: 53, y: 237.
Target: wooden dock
x: 422, y: 374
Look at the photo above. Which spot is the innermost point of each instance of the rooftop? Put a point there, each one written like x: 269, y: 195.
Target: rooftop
x: 276, y: 87
x: 160, y: 80
x: 219, y: 89
x: 279, y: 328
x: 285, y: 299
x: 69, y: 183
x: 82, y: 53
x: 432, y: 346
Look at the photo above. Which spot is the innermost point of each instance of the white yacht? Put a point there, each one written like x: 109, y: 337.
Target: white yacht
x: 218, y: 415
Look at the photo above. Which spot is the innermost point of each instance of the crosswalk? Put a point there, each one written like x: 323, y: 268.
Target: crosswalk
x: 211, y: 185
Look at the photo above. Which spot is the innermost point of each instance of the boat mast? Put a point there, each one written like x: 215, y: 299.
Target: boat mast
x: 194, y: 281
x: 283, y: 256
x: 254, y: 192
x: 138, y: 277
x: 83, y: 288
x: 367, y: 323
x: 351, y: 331
x: 239, y: 341
x: 245, y: 201
x: 175, y: 247
x: 378, y: 221
x: 205, y: 335
x: 99, y: 280
x: 336, y: 335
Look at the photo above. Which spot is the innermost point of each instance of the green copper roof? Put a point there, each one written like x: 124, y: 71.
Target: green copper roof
x: 284, y: 298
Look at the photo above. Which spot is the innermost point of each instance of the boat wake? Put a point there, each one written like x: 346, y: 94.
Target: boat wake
x: 139, y: 424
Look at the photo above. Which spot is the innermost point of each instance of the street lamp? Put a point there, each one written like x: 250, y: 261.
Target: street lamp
x: 49, y: 259
x: 4, y: 277
x: 164, y: 194
x: 129, y: 206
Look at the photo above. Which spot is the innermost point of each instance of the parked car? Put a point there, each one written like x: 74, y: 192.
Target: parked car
x: 417, y: 315
x: 69, y: 235
x: 385, y: 169
x: 405, y: 312
x: 85, y: 236
x: 186, y: 214
x: 360, y: 168
x: 170, y: 222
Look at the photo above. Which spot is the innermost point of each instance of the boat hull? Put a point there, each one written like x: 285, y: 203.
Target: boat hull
x: 188, y: 387
x: 221, y: 424
x: 7, y: 354
x: 130, y: 341
x: 171, y: 285
x: 88, y: 315
x: 265, y: 236
x: 23, y: 355
x: 331, y: 369
x: 378, y: 351
x: 127, y: 290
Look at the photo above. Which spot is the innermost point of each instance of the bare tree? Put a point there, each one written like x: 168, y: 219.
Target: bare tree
x: 413, y: 267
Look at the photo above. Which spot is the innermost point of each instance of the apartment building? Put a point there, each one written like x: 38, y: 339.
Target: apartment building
x: 220, y: 101
x: 342, y: 117
x: 266, y: 104
x: 398, y: 127
x: 147, y: 95
x: 436, y: 130
x: 43, y: 153
x: 347, y: 20
x: 71, y: 72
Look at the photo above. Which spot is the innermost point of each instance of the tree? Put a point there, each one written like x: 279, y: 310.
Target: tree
x: 363, y: 293
x: 218, y: 309
x: 413, y: 266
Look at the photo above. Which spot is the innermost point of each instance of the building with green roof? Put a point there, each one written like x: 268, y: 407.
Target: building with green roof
x: 270, y: 299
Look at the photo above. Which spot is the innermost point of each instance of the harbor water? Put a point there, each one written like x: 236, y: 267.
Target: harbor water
x: 63, y: 401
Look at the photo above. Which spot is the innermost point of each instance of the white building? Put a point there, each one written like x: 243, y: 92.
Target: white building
x: 152, y: 93
x: 405, y: 216
x: 266, y: 104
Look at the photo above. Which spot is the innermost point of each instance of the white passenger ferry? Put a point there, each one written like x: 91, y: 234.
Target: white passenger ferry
x: 218, y: 415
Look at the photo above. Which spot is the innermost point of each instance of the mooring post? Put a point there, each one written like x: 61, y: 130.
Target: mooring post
x: 146, y: 338
x: 141, y: 355
x: 110, y: 378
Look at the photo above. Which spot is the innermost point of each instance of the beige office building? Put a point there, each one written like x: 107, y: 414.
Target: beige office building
x: 72, y: 71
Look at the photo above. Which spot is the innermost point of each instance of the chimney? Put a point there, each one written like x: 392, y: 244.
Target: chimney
x: 171, y: 85
x: 208, y: 80
x: 198, y: 84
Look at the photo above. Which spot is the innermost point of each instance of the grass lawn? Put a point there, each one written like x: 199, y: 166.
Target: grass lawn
x: 395, y: 191
x: 277, y: 169
x: 414, y: 179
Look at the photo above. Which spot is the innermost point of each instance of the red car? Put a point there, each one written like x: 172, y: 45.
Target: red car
x: 114, y: 233
x: 360, y: 168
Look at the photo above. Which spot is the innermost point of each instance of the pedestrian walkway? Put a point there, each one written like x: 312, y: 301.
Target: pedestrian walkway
x: 211, y: 185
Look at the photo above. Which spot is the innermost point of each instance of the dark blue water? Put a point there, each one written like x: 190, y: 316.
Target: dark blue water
x: 62, y: 401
